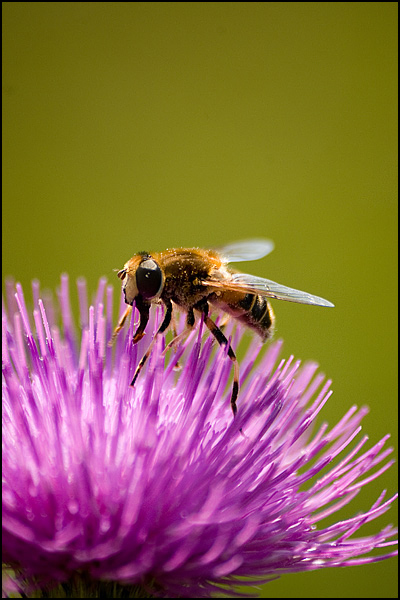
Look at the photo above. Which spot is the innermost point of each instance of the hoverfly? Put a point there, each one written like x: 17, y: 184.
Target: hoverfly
x: 192, y: 279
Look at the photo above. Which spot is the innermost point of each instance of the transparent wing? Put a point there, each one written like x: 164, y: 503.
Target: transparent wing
x: 242, y: 282
x: 245, y: 250
x: 266, y: 287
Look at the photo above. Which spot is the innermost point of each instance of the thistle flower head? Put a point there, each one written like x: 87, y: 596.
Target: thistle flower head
x: 158, y: 485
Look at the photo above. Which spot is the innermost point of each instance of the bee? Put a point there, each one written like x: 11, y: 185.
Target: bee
x: 193, y: 279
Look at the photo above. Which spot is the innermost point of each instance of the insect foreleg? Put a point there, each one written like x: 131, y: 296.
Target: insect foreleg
x: 144, y: 310
x: 161, y: 329
x: 120, y: 325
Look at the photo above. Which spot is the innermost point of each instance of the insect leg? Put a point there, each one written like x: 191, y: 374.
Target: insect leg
x: 144, y: 311
x: 120, y: 325
x: 161, y: 329
x: 222, y: 341
x: 181, y: 336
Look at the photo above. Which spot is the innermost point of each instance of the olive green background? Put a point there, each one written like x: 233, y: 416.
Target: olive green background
x: 131, y: 126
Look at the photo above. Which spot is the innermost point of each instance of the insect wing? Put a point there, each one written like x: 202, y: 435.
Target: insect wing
x: 271, y: 289
x: 246, y: 250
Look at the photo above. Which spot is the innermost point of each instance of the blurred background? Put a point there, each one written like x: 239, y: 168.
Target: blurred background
x: 134, y: 126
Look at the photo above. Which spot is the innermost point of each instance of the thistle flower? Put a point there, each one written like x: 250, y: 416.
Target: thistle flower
x: 157, y: 487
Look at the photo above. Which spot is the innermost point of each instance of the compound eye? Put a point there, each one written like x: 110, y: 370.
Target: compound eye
x: 148, y: 279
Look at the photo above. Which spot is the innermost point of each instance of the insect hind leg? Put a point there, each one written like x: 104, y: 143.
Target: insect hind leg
x: 222, y: 341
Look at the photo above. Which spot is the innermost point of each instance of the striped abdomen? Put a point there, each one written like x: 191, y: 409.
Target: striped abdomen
x: 252, y: 310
